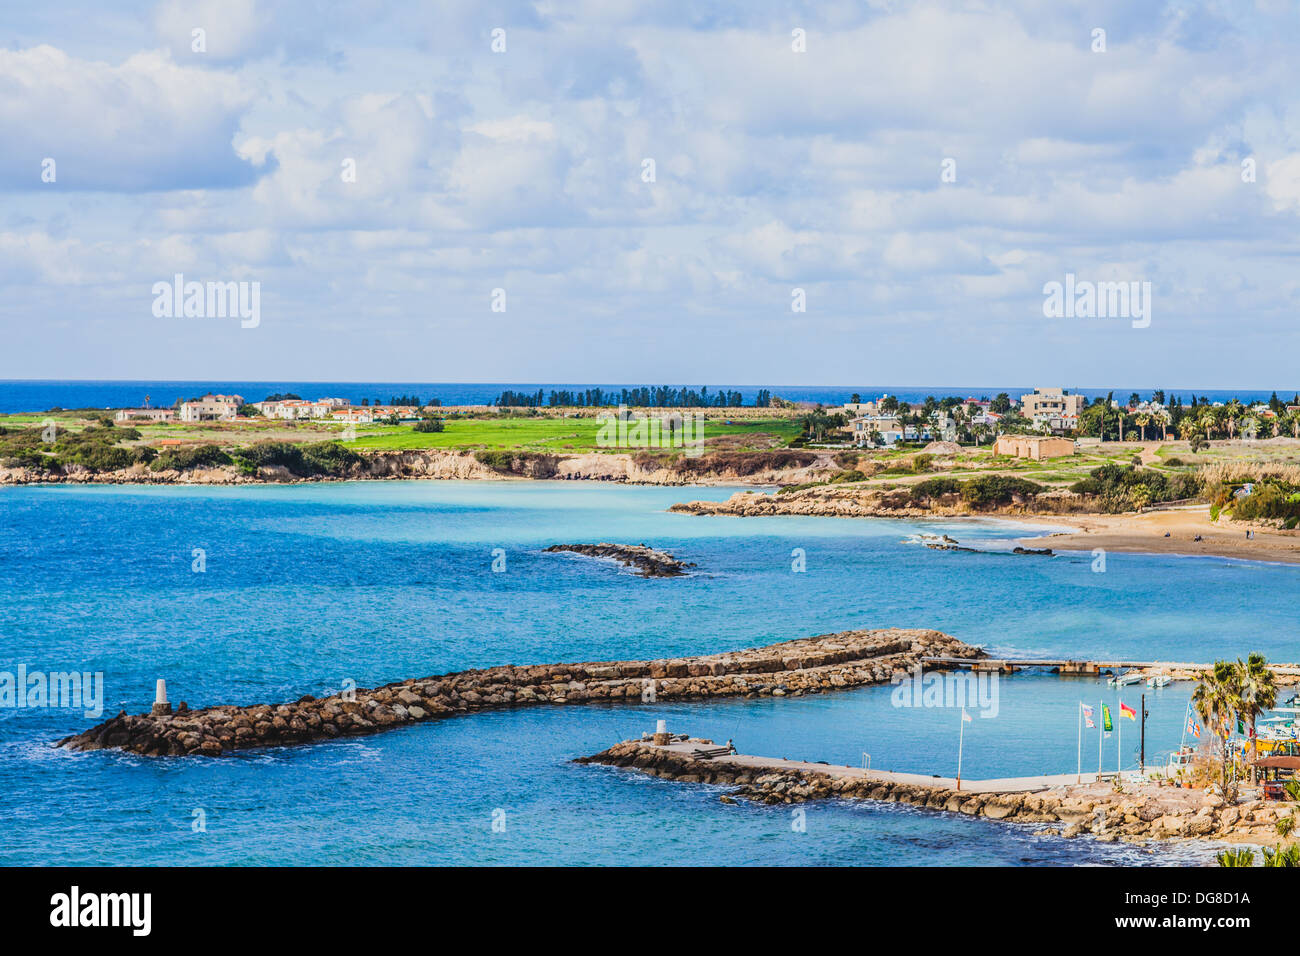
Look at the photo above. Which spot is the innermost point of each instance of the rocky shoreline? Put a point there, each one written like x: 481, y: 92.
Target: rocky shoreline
x: 615, y: 467
x: 1146, y: 812
x: 648, y: 562
x: 838, y: 501
x: 804, y: 666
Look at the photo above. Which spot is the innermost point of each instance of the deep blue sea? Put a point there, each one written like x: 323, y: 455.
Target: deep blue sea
x: 40, y: 396
x: 309, y: 585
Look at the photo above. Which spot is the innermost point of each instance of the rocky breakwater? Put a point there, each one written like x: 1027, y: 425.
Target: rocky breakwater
x: 648, y: 562
x: 808, y: 665
x: 1136, y: 815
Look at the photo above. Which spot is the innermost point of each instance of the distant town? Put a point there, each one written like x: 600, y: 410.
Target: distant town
x: 229, y: 408
x: 1044, y: 423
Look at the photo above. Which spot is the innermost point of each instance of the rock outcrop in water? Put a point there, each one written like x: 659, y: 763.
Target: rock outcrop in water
x: 648, y: 562
x: 805, y: 666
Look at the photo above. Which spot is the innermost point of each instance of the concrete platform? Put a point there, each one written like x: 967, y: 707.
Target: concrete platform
x: 688, y: 747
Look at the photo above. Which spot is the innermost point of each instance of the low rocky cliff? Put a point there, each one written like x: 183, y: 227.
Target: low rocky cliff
x: 732, y: 468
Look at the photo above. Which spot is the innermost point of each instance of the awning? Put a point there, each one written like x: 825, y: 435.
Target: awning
x: 1278, y: 763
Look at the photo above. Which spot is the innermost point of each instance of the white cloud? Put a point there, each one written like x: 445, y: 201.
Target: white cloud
x: 773, y: 169
x: 225, y: 29
x: 148, y: 124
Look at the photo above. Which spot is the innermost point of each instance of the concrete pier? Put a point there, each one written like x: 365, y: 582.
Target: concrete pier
x: 1032, y: 784
x: 1179, y: 671
x: 1064, y: 804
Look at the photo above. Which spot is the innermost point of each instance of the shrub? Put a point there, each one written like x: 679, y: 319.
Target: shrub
x: 530, y: 464
x: 1269, y: 500
x: 935, y: 488
x: 997, y: 490
x: 851, y: 475
x: 195, y: 456
x: 306, y: 461
x: 1119, y: 488
x: 747, y: 463
x: 428, y: 425
x: 502, y: 461
x: 99, y: 456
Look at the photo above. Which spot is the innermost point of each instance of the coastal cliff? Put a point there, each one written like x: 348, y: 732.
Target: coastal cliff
x: 770, y: 468
x: 805, y: 666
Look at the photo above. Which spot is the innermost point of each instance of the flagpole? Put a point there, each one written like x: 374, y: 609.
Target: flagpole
x: 1119, y: 739
x: 1101, y: 734
x: 961, y: 740
x: 1080, y: 770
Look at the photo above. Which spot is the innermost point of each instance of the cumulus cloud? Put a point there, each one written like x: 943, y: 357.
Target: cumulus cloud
x: 146, y: 124
x: 372, y: 162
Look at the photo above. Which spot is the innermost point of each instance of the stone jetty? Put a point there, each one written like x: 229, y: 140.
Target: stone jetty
x: 1138, y: 812
x: 648, y: 562
x: 808, y: 665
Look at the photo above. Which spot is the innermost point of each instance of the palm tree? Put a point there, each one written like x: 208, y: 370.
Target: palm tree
x: 1282, y: 856
x: 1213, y: 419
x: 1164, y: 419
x: 1242, y: 857
x: 1216, y: 698
x: 1143, y: 421
x: 1230, y: 414
x: 1257, y: 693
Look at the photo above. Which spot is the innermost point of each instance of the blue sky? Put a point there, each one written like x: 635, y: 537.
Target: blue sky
x: 774, y: 170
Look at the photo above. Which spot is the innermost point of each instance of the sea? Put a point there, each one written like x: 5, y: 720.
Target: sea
x: 41, y: 396
x: 266, y: 593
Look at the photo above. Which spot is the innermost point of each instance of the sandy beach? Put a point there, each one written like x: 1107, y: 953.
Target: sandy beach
x: 1168, y: 532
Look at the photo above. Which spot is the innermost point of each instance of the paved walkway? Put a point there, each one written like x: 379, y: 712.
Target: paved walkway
x: 1002, y: 785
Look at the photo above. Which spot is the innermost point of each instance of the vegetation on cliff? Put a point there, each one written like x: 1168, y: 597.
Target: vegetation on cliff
x: 1117, y: 488
x: 48, y: 448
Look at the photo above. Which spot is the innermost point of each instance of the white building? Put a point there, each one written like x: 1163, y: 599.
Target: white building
x: 889, y: 428
x: 220, y: 408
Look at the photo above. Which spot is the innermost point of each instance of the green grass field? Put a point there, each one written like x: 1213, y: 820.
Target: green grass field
x: 556, y: 435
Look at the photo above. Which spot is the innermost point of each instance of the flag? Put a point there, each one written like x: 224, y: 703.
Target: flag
x: 1126, y: 711
x: 1193, y: 727
x: 1241, y: 726
x: 1087, y: 715
x: 965, y: 716
x: 1105, y: 719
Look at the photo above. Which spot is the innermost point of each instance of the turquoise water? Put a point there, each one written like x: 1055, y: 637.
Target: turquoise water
x: 308, y: 585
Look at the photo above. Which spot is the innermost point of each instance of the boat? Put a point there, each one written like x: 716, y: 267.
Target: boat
x: 1159, y: 680
x: 1122, y: 680
x: 1278, y: 732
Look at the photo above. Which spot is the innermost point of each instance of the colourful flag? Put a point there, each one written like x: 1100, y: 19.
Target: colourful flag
x: 1087, y: 715
x: 1105, y: 719
x: 965, y: 716
x: 1126, y: 711
x: 1241, y: 726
